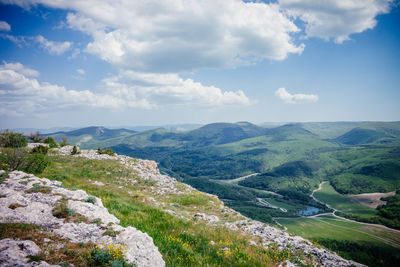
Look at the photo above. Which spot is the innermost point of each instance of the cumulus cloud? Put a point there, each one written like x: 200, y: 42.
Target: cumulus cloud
x: 81, y: 71
x: 4, y: 26
x: 289, y: 98
x: 23, y: 94
x: 166, y: 89
x: 55, y: 48
x: 173, y: 36
x: 336, y: 19
x: 18, y: 67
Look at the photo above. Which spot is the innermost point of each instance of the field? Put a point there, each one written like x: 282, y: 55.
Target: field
x: 372, y: 245
x: 328, y: 195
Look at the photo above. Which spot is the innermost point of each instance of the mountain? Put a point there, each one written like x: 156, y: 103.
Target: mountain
x: 222, y: 133
x: 372, y: 132
x: 90, y: 135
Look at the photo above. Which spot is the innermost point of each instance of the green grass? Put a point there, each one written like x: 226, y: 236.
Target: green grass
x: 340, y: 202
x: 351, y: 240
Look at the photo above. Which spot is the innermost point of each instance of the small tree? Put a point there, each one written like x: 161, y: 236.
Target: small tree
x: 11, y: 139
x: 64, y: 141
x: 49, y: 140
x: 35, y: 137
x: 74, y: 150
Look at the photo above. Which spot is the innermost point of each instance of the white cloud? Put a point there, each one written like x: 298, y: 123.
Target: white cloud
x: 81, y: 71
x: 18, y: 67
x: 166, y: 89
x: 4, y: 26
x: 295, y: 98
x: 21, y: 94
x: 55, y: 48
x: 174, y: 36
x: 335, y: 18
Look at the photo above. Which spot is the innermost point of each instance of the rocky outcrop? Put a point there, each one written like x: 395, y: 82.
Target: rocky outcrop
x: 31, y: 200
x: 16, y: 252
x: 297, y: 244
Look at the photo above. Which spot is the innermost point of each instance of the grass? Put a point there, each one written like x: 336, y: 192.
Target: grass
x: 328, y: 195
x: 181, y: 242
x: 37, y: 188
x: 351, y: 240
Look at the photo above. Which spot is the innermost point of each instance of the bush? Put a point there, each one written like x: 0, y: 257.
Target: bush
x: 11, y: 139
x: 91, y: 199
x: 35, y: 137
x: 75, y: 151
x: 49, y: 140
x: 107, y: 151
x: 63, y: 142
x: 20, y: 159
x: 40, y: 149
x: 35, y: 163
x: 109, y: 255
x: 13, y: 159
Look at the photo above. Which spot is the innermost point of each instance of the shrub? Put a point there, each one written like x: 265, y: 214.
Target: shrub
x: 63, y: 142
x: 111, y: 232
x: 36, y: 163
x: 49, y: 140
x: 75, y: 151
x: 91, y: 199
x: 107, y: 151
x: 109, y: 255
x: 40, y: 149
x: 11, y: 139
x: 19, y: 159
x: 39, y: 189
x: 61, y: 210
x: 12, y: 159
x: 35, y: 137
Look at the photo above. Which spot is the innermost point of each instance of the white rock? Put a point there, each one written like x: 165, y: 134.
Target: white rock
x: 92, y: 211
x: 14, y: 253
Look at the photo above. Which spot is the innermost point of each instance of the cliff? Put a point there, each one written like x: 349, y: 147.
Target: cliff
x: 30, y: 200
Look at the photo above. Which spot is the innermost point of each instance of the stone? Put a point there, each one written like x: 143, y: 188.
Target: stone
x: 15, y: 253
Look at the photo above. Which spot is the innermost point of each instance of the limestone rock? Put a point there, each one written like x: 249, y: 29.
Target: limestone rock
x: 14, y: 253
x: 36, y: 208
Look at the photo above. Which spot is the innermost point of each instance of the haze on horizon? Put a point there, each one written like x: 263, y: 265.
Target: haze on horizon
x: 83, y: 63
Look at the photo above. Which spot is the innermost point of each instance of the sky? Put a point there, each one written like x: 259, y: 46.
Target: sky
x: 125, y: 62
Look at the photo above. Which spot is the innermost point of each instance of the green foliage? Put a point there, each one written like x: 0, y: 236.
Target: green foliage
x: 63, y: 142
x: 50, y: 140
x: 75, y: 151
x: 91, y: 199
x: 390, y: 213
x: 12, y: 159
x: 111, y: 232
x: 35, y: 137
x: 61, y: 210
x: 363, y: 252
x: 107, y: 151
x: 110, y: 255
x: 40, y: 149
x: 39, y: 189
x: 35, y: 163
x: 11, y: 139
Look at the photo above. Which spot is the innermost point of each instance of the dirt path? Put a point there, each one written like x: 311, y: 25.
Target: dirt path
x: 236, y: 180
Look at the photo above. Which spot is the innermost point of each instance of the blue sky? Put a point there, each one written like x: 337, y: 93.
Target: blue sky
x: 80, y: 63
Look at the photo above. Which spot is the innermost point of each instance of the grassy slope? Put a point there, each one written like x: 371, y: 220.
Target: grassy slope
x: 328, y: 195
x: 181, y: 242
